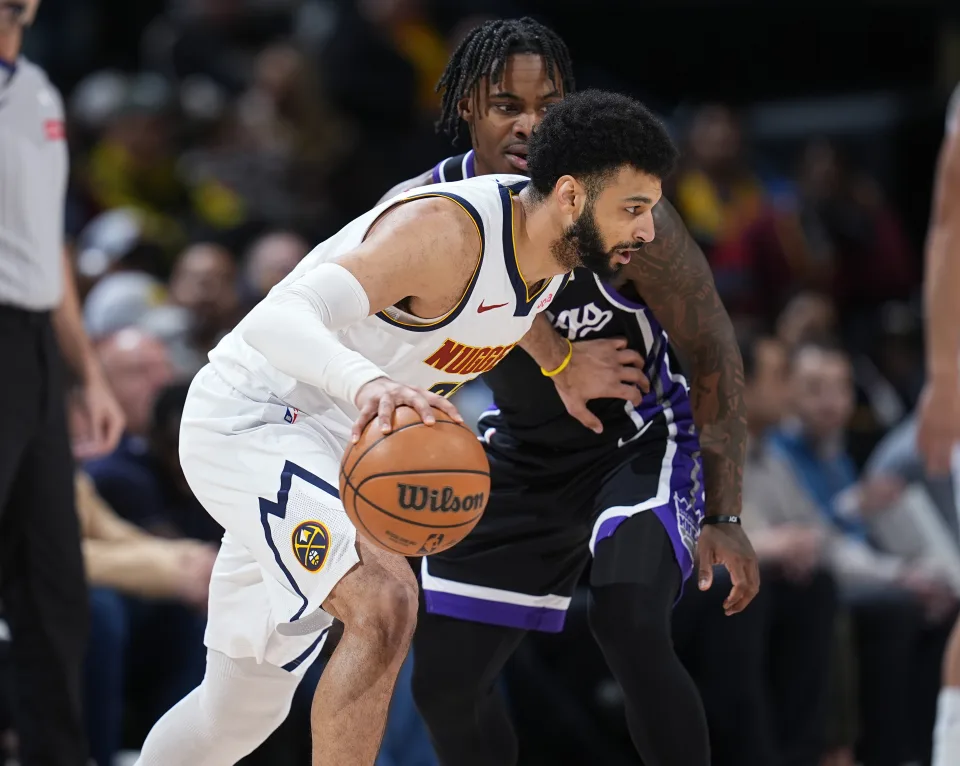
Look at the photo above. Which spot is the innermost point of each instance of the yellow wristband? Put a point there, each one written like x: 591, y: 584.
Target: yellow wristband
x: 563, y: 364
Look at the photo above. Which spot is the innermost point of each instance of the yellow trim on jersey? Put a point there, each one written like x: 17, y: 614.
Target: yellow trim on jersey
x: 513, y: 237
x: 470, y: 283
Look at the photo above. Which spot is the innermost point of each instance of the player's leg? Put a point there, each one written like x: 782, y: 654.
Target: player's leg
x: 513, y: 573
x: 242, y: 699
x: 457, y: 665
x: 289, y: 550
x: 377, y: 603
x: 946, y: 737
x: 634, y: 581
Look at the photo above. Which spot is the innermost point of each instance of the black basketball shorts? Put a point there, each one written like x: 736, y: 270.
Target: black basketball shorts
x: 547, y: 511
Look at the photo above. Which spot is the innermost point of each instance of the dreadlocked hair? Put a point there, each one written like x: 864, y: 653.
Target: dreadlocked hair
x: 485, y: 50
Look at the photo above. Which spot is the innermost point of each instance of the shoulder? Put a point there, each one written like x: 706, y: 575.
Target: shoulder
x: 424, y: 179
x: 434, y: 222
x: 40, y: 82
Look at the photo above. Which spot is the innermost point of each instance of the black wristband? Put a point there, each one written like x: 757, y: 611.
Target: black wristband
x: 720, y: 520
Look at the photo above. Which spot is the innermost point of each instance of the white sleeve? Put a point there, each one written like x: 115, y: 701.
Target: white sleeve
x: 295, y: 330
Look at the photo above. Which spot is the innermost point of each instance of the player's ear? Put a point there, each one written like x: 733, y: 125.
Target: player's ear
x: 467, y: 108
x: 571, y: 197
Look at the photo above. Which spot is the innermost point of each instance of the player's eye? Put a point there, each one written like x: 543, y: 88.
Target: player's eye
x: 506, y: 108
x: 633, y: 210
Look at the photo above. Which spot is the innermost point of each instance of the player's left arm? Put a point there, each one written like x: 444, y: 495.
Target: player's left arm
x: 104, y: 418
x: 674, y: 279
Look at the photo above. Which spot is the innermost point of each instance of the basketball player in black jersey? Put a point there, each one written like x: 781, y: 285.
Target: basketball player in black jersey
x: 619, y: 479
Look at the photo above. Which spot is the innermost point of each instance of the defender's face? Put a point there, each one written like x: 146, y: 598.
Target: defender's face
x: 503, y: 115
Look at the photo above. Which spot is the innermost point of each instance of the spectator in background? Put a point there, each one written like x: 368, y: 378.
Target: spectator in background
x: 776, y: 711
x: 899, y: 607
x: 134, y: 164
x: 838, y: 237
x: 267, y: 261
x: 793, y: 545
x: 137, y: 630
x: 142, y: 480
x: 717, y: 193
x: 879, y: 404
x: 204, y: 282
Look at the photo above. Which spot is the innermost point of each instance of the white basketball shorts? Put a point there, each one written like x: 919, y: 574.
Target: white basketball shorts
x: 269, y: 477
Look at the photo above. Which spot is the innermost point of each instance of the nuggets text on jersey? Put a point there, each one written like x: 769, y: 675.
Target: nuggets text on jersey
x: 461, y: 359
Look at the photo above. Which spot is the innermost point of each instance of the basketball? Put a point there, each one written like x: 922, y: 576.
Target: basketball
x: 418, y: 489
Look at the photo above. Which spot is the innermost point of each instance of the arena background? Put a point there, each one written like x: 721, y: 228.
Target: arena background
x: 198, y: 127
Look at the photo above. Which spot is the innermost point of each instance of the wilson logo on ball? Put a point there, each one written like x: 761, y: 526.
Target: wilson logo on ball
x: 416, y: 497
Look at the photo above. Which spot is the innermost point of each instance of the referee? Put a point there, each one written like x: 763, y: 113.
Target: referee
x: 42, y: 587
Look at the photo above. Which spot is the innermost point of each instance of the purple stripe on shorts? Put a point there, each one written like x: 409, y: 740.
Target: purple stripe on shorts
x: 474, y: 609
x: 680, y: 515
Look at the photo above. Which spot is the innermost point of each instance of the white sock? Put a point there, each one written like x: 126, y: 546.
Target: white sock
x: 236, y: 707
x: 946, y: 734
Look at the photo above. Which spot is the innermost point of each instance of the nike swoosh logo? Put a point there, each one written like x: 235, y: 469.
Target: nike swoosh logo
x: 481, y: 308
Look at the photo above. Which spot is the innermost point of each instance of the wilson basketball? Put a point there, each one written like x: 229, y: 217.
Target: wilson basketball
x: 418, y: 489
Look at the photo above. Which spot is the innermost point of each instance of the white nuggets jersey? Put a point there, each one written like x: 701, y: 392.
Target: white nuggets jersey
x: 441, y: 354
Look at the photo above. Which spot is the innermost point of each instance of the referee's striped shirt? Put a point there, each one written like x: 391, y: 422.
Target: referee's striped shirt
x: 33, y: 184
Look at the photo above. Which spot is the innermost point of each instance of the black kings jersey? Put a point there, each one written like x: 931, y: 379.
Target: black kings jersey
x: 528, y: 407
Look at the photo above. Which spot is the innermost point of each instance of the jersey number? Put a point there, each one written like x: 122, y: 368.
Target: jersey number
x: 446, y: 390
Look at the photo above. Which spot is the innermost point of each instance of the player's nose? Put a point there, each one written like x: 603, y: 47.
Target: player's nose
x: 525, y: 123
x: 644, y: 230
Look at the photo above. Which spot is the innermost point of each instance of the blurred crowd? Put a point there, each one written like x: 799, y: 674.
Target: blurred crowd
x: 199, y: 182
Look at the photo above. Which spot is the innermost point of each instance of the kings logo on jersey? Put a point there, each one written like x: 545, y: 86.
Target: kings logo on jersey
x: 578, y: 322
x: 311, y: 541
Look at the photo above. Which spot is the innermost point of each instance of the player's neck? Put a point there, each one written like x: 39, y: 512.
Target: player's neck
x: 10, y: 42
x: 480, y: 168
x: 534, y: 232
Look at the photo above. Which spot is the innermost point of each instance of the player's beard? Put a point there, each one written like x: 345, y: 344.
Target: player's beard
x: 582, y: 245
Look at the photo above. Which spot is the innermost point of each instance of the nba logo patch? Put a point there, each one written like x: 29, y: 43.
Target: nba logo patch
x: 311, y: 541
x: 291, y: 414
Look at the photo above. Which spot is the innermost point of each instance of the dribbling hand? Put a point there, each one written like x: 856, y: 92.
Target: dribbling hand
x: 380, y: 397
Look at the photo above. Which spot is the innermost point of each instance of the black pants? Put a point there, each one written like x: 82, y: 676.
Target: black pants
x: 763, y: 674
x: 42, y: 584
x: 457, y: 663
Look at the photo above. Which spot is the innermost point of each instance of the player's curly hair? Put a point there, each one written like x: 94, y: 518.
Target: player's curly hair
x: 485, y: 50
x: 591, y: 134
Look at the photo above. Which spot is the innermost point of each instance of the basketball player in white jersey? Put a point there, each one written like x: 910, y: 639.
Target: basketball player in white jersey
x: 939, y: 422
x: 401, y: 307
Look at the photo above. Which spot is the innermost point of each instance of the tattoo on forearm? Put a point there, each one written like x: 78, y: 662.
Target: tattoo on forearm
x: 672, y: 275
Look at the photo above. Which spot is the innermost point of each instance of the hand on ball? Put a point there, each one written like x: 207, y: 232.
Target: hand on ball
x: 380, y: 397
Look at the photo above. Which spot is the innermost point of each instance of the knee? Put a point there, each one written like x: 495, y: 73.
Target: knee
x: 630, y: 617
x: 384, y: 611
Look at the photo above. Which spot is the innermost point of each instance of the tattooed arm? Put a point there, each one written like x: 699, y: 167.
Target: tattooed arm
x: 673, y: 278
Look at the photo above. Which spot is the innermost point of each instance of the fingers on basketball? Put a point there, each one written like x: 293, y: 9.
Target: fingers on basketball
x: 418, y: 489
